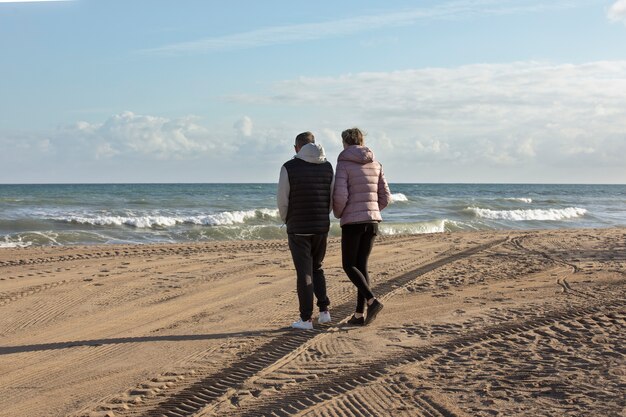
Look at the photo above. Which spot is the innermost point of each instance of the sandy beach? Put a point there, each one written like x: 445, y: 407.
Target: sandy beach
x: 525, y: 323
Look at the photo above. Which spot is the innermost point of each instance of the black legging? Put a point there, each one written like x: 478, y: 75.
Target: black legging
x: 357, y: 241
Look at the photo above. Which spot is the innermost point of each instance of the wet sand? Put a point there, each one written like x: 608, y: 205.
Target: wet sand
x: 475, y: 324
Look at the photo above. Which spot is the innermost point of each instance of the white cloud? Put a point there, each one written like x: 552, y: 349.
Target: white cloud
x: 244, y: 126
x: 431, y: 147
x: 580, y: 149
x: 106, y: 150
x: 527, y: 148
x: 381, y: 141
x: 321, y: 30
x: 130, y: 147
x: 617, y: 11
x: 523, y: 121
x: 130, y: 134
x: 502, y: 114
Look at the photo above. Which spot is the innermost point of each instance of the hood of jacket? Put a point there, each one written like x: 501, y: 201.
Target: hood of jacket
x: 312, y: 153
x: 356, y: 153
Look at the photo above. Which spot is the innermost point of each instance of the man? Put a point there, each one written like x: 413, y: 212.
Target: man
x: 304, y: 202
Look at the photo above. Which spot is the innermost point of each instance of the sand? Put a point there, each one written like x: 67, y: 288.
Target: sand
x: 475, y: 324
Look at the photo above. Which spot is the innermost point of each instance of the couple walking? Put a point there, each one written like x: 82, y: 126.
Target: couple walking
x: 307, y: 192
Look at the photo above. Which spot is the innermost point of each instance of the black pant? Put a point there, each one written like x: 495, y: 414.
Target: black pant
x: 357, y: 241
x: 308, y: 254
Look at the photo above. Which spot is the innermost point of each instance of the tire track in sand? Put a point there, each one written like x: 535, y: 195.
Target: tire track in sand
x: 144, y: 251
x: 338, y: 391
x: 7, y: 297
x: 566, y: 287
x: 209, y: 389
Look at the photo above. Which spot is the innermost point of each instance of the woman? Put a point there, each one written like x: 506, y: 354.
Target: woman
x: 359, y: 194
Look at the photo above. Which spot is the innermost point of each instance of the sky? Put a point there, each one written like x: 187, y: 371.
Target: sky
x: 459, y: 91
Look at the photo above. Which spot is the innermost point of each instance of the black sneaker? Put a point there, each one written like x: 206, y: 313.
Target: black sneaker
x: 354, y: 321
x: 372, y: 311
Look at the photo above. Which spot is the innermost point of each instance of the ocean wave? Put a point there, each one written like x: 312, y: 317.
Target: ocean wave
x: 8, y: 242
x: 9, y: 245
x: 225, y: 218
x: 522, y: 199
x: 238, y: 232
x: 397, y: 197
x: 535, y: 214
x: 13, y: 245
x: 434, y: 226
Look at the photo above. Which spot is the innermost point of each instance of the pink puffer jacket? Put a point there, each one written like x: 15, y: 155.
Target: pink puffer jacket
x: 360, y: 191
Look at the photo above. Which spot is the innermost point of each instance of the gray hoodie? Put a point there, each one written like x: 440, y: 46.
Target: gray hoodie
x: 312, y: 153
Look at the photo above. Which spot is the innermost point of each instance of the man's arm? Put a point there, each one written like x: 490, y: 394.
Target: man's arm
x: 332, y: 187
x: 282, y: 196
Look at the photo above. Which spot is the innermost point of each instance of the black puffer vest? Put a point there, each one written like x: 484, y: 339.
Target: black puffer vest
x: 309, y: 196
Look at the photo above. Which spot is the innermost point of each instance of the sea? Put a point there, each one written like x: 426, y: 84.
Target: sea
x: 89, y: 214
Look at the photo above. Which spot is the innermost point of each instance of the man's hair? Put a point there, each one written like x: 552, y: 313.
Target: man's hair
x: 304, y: 138
x: 353, y: 136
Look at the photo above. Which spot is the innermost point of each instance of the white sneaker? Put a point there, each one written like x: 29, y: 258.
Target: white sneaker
x: 324, y: 317
x: 303, y: 325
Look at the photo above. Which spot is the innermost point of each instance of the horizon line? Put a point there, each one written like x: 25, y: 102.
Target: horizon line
x: 272, y: 183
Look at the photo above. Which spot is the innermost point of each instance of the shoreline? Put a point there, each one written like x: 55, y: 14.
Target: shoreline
x: 475, y: 323
x: 113, y: 246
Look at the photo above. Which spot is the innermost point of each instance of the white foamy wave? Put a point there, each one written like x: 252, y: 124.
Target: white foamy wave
x: 226, y: 218
x: 397, y: 197
x: 536, y: 214
x: 8, y: 243
x: 522, y: 199
x: 435, y: 226
x: 11, y: 245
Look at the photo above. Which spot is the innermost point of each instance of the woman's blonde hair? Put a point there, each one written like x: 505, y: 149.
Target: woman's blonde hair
x: 353, y: 136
